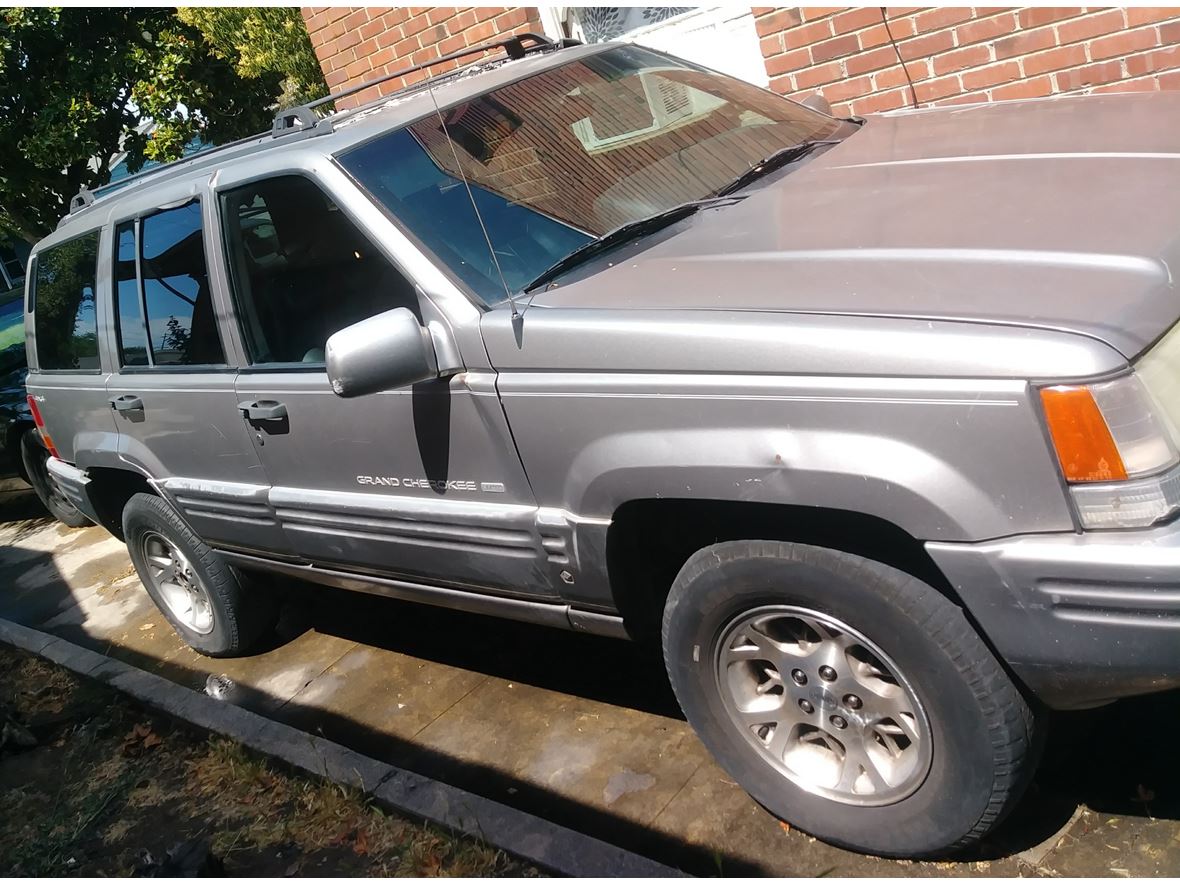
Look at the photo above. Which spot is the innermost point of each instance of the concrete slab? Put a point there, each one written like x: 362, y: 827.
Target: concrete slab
x: 625, y: 762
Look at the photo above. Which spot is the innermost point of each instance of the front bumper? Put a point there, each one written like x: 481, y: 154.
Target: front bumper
x: 1082, y: 619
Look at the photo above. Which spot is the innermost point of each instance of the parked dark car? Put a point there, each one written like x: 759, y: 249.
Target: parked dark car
x: 21, y: 449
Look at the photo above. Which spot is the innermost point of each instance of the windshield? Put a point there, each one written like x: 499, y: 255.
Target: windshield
x: 568, y: 155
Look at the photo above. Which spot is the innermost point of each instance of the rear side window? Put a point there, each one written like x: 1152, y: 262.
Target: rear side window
x: 302, y: 270
x: 164, y: 306
x: 63, y: 303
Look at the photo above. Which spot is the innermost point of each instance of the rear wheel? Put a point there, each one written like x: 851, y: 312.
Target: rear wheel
x: 214, y: 608
x: 34, y: 455
x: 849, y: 698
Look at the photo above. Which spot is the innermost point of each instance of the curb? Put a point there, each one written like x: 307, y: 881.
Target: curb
x: 519, y: 833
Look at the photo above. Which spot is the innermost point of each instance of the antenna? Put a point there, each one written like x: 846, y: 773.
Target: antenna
x: 487, y: 239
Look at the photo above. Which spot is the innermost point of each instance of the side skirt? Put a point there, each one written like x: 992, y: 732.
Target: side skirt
x: 549, y: 614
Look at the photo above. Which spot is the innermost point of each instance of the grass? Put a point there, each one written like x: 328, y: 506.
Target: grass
x: 110, y: 788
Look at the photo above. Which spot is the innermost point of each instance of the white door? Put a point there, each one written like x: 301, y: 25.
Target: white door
x: 720, y: 37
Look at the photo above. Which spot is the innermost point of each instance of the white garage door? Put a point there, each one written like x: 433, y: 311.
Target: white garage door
x: 719, y: 37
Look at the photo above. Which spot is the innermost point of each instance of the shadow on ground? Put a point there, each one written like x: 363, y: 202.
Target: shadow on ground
x: 1118, y: 760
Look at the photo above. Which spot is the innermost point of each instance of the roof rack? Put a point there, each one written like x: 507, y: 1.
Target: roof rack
x: 304, y: 121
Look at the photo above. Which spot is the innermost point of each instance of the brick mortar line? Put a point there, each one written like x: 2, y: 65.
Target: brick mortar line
x: 520, y: 833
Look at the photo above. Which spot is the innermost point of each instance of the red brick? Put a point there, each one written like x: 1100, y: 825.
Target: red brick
x: 1153, y: 62
x: 1170, y: 33
x: 481, y: 32
x: 760, y: 11
x: 777, y: 22
x: 928, y: 44
x: 382, y: 57
x: 812, y: 13
x: 1122, y: 44
x: 371, y: 29
x: 961, y: 59
x: 1054, y: 60
x: 1037, y: 87
x: 891, y: 78
x: 452, y: 44
x: 1144, y: 15
x: 1025, y: 42
x: 407, y: 47
x: 855, y: 19
x: 1170, y: 80
x: 1091, y: 26
x: 347, y: 40
x: 782, y: 85
x: 788, y: 61
x: 413, y: 25
x: 965, y: 98
x: 809, y: 77
x: 335, y: 78
x: 882, y: 101
x: 899, y: 11
x: 837, y: 47
x: 391, y: 36
x: 981, y: 78
x: 901, y: 28
x: 1145, y: 84
x: 805, y: 35
x: 1090, y: 75
x: 931, y: 90
x: 846, y: 89
x: 873, y: 60
x: 942, y: 17
x: 1032, y: 16
x: 986, y: 28
x: 358, y: 69
x: 354, y: 20
x: 872, y: 37
x: 771, y: 45
x: 513, y: 18
x: 440, y: 14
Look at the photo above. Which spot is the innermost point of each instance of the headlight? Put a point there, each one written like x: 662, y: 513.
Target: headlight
x: 1116, y: 449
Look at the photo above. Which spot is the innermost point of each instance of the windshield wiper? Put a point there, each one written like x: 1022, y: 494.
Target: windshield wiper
x: 629, y: 231
x: 777, y: 160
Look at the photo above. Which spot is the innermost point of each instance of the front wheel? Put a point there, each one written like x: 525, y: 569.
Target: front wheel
x: 214, y: 608
x: 847, y: 697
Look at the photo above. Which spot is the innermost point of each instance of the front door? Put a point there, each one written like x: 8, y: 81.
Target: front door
x: 422, y: 483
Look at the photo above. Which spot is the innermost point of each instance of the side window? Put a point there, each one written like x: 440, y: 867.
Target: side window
x: 181, y: 325
x: 171, y: 281
x: 133, y: 350
x: 301, y: 270
x: 63, y: 304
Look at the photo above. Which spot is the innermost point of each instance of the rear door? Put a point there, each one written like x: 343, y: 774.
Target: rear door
x: 172, y: 392
x: 422, y: 482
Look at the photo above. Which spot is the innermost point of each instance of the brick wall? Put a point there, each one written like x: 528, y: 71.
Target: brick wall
x: 358, y: 44
x: 966, y: 54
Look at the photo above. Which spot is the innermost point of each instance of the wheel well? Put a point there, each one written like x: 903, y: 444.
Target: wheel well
x: 649, y: 540
x: 110, y: 489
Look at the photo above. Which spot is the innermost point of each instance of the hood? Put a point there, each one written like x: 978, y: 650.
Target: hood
x: 1061, y: 214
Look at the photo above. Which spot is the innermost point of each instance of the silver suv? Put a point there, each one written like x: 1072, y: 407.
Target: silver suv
x: 873, y: 423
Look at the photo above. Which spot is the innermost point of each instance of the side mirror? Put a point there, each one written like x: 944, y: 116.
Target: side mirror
x: 384, y: 352
x: 817, y: 102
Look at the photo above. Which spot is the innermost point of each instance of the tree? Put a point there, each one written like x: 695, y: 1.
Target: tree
x: 261, y: 40
x: 77, y: 84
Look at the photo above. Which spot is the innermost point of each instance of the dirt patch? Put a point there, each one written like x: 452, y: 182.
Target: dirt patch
x: 113, y: 789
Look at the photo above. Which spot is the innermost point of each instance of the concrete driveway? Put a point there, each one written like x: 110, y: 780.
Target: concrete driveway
x: 580, y: 729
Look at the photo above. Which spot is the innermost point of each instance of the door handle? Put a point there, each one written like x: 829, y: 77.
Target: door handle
x: 127, y: 402
x: 263, y: 410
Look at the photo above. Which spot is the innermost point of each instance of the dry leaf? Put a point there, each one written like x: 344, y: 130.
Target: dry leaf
x: 152, y: 740
x: 361, y: 845
x: 786, y: 826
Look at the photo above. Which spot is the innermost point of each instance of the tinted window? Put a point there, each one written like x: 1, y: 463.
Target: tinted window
x: 63, y: 304
x: 181, y: 327
x: 572, y: 153
x: 128, y: 308
x: 301, y: 270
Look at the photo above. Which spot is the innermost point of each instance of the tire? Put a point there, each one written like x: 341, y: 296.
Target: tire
x: 954, y: 741
x: 230, y: 615
x: 33, y: 456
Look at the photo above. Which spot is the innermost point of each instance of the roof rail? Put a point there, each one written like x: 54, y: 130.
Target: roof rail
x: 303, y: 120
x: 82, y: 199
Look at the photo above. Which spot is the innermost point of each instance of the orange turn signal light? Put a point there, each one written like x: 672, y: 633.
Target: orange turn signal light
x: 1084, y: 445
